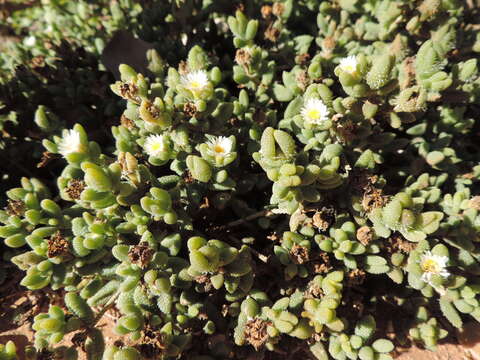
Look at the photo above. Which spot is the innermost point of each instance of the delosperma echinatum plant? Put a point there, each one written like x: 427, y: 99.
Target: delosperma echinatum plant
x: 290, y: 179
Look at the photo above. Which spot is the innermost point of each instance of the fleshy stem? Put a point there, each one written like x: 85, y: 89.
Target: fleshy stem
x: 109, y: 304
x: 256, y: 215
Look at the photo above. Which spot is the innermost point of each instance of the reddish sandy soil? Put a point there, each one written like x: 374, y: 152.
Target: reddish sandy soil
x: 470, y: 351
x: 24, y: 305
x: 23, y: 336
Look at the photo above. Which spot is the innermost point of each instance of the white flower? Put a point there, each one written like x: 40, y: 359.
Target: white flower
x: 220, y: 146
x: 349, y: 64
x: 70, y: 143
x: 195, y: 81
x: 30, y: 41
x: 433, y: 265
x: 154, y: 145
x: 315, y: 111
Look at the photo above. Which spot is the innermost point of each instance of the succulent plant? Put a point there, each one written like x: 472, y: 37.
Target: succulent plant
x: 264, y: 182
x: 8, y: 351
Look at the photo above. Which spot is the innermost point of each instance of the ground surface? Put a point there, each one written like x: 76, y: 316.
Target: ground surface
x: 17, y: 308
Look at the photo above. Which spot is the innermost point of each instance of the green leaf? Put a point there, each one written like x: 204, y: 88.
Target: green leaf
x: 429, y: 221
x: 293, y: 108
x: 318, y: 350
x: 96, y: 179
x: 365, y: 327
x: 199, y: 168
x: 449, y: 311
x: 282, y: 93
x: 382, y: 346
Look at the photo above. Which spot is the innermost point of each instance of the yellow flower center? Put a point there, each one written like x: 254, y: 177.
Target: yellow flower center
x: 218, y: 148
x: 349, y: 68
x: 313, y: 114
x: 195, y: 85
x: 430, y: 266
x: 156, y: 146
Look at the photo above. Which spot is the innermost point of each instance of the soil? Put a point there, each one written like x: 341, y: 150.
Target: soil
x: 19, y: 307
